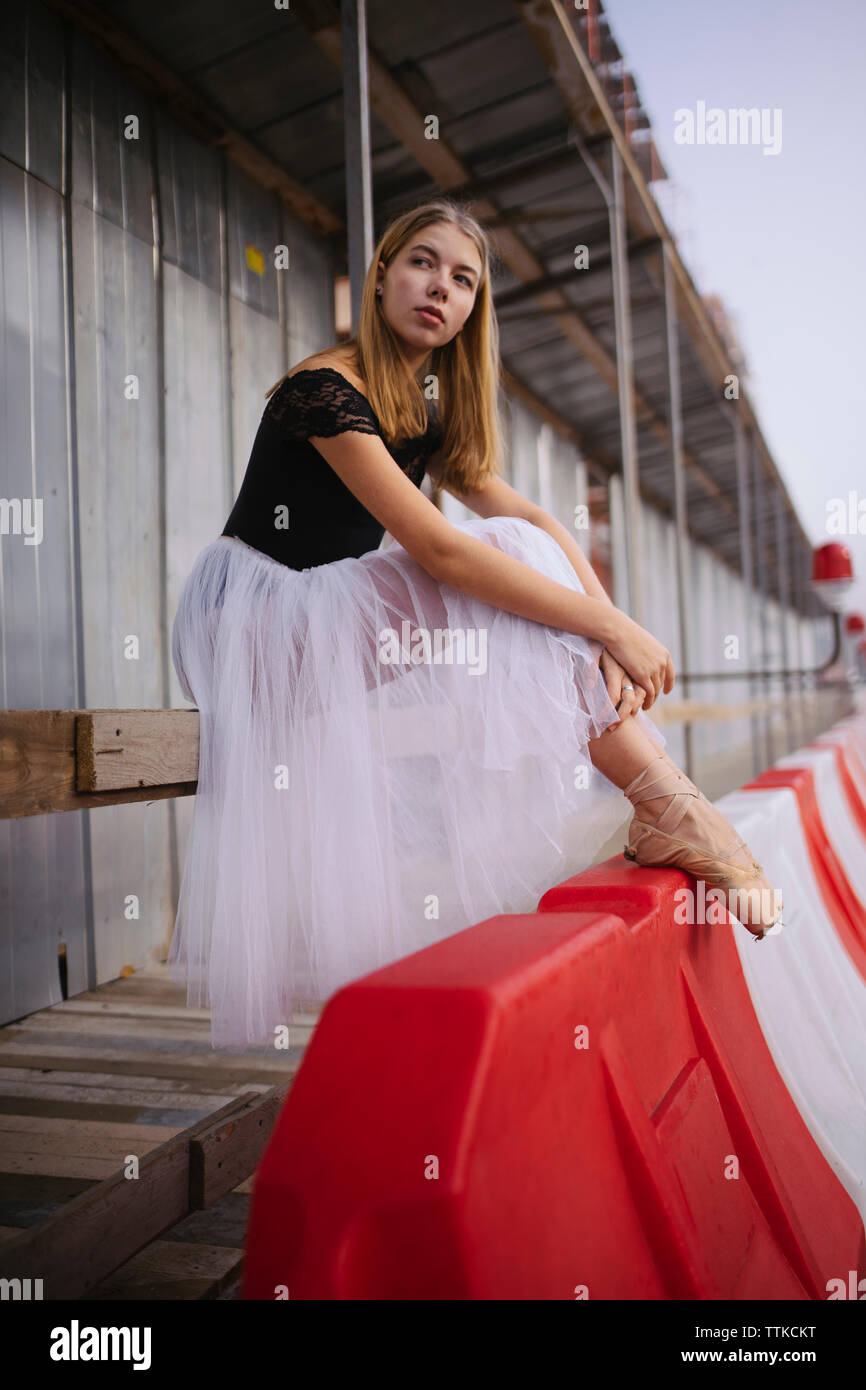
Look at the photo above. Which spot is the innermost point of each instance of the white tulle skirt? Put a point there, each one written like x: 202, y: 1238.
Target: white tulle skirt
x: 384, y: 761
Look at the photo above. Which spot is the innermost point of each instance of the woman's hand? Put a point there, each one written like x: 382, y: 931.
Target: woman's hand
x: 638, y: 652
x: 626, y: 695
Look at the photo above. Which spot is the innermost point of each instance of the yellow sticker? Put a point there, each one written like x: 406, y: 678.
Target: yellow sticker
x: 255, y: 259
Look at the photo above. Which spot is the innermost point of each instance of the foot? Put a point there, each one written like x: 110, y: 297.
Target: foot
x: 675, y: 825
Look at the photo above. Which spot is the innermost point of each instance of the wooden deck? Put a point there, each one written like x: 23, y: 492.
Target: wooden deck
x: 115, y: 1072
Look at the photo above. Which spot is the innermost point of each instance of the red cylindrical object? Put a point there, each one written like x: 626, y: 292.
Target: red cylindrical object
x: 831, y: 562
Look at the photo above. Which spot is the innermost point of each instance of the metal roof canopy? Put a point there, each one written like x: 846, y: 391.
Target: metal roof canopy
x: 520, y: 88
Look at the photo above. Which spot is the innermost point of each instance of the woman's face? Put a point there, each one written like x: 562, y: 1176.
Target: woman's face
x: 429, y: 289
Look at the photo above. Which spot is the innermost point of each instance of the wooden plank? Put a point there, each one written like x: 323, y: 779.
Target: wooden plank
x: 42, y: 1191
x: 224, y: 1222
x: 101, y: 1229
x: 117, y: 749
x: 220, y: 1075
x: 105, y: 1085
x: 67, y: 1165
x: 132, y: 1008
x: 49, y: 1125
x: 178, y: 1030
x: 229, y: 1151
x: 74, y: 1144
x: 172, y: 1270
x: 148, y: 1097
x: 700, y: 711
x: 27, y: 1199
x: 81, y: 1110
x: 38, y: 766
x: 46, y: 1055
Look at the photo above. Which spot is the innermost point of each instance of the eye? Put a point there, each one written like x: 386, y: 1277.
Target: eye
x: 466, y: 280
x: 419, y: 260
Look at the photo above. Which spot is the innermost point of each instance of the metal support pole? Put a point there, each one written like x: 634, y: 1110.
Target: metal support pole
x: 785, y: 604
x: 744, y: 516
x: 802, y: 683
x: 678, y: 464
x: 356, y: 116
x: 759, y: 531
x: 625, y: 385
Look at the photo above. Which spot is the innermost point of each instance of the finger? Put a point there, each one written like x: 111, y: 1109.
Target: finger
x: 669, y: 685
x: 613, y: 680
x: 627, y: 704
x: 635, y: 698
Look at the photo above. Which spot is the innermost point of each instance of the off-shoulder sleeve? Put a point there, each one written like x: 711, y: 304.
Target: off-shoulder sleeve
x: 320, y: 403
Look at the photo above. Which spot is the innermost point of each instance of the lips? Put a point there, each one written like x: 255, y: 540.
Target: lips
x: 429, y: 315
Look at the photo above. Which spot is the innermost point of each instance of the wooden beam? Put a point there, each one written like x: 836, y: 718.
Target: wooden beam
x: 39, y: 759
x: 117, y: 749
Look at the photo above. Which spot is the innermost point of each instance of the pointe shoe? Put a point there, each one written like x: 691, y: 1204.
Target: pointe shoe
x: 702, y: 848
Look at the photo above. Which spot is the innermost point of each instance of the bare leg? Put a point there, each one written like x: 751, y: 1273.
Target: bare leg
x: 622, y: 752
x: 706, y: 843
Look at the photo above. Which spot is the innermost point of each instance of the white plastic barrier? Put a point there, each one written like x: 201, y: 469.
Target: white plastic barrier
x: 857, y: 764
x: 808, y: 995
x: 842, y: 830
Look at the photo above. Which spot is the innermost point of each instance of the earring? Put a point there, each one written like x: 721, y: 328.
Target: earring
x: 378, y: 289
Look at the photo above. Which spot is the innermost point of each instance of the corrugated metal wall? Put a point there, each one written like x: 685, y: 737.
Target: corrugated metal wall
x: 143, y: 321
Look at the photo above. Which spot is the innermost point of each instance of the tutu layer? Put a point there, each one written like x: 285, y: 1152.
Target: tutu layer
x: 384, y: 761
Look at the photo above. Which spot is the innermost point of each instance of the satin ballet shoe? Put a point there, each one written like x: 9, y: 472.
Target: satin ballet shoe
x: 707, y: 845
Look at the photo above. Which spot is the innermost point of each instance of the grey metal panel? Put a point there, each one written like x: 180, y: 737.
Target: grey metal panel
x: 308, y: 287
x: 111, y: 173
x: 565, y: 485
x: 31, y: 99
x: 257, y: 362
x: 524, y: 452
x: 658, y: 577
x: 120, y: 522
x: 189, y: 192
x: 41, y: 897
x: 196, y: 494
x: 253, y: 233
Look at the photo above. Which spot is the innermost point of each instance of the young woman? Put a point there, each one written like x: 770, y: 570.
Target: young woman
x: 397, y: 743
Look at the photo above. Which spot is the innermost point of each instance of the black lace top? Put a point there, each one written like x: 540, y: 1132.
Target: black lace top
x: 292, y: 505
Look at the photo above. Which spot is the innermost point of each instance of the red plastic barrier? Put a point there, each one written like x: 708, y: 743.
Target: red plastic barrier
x: 550, y: 1106
x: 846, y: 911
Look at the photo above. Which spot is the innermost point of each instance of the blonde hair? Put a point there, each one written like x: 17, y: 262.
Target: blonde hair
x: 467, y: 369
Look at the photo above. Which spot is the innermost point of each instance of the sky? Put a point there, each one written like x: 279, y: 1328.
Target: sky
x: 779, y: 237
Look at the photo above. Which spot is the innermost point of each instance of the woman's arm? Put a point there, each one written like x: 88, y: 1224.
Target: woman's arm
x: 506, y: 582
x: 453, y: 557
x: 496, y: 497
x: 579, y: 562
